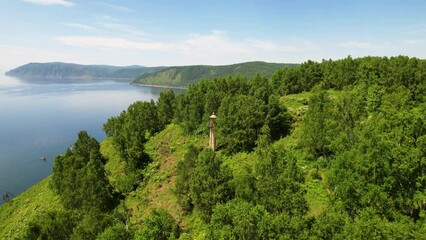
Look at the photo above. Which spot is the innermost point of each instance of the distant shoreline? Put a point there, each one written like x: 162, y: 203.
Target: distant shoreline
x: 158, y: 86
x: 69, y: 78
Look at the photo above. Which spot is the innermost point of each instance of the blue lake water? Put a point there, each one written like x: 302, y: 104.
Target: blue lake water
x: 39, y: 119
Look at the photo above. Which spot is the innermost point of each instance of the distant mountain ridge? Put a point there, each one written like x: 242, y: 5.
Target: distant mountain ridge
x: 177, y: 76
x: 183, y: 76
x: 59, y: 70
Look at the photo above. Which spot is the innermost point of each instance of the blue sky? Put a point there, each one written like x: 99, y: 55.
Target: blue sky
x: 160, y: 32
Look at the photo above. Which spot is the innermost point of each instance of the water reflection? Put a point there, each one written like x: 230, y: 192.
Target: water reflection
x: 44, y: 119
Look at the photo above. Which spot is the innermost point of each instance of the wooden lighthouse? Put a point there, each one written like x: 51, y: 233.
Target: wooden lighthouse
x: 212, y: 124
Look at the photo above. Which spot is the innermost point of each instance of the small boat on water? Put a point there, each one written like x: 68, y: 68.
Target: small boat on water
x: 43, y: 158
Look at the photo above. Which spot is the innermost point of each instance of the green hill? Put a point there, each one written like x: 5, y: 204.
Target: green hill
x: 17, y: 213
x: 331, y: 150
x: 58, y: 70
x: 157, y: 191
x: 133, y: 72
x: 185, y: 75
x: 166, y: 149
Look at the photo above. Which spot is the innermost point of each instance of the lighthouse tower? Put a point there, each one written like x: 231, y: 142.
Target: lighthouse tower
x: 212, y: 124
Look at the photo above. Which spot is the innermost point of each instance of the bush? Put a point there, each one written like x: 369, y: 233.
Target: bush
x: 159, y: 225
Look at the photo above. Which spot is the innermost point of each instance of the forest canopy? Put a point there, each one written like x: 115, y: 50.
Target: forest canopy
x: 344, y: 158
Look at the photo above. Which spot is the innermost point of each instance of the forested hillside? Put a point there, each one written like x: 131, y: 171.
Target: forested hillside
x: 58, y: 70
x: 330, y: 150
x: 186, y: 75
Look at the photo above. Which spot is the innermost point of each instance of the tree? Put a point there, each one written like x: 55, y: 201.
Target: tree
x: 185, y: 169
x: 86, y: 229
x: 277, y: 118
x: 330, y: 224
x: 137, y: 124
x: 117, y: 231
x: 240, y: 119
x: 114, y: 125
x: 165, y: 108
x: 278, y: 183
x: 347, y: 113
x: 210, y: 183
x: 79, y: 176
x: 340, y: 73
x: 238, y: 219
x: 368, y: 225
x: 298, y: 79
x: 316, y: 127
x: 384, y: 168
x: 95, y: 188
x: 159, y: 225
x: 54, y: 225
x: 260, y: 88
x: 195, y: 108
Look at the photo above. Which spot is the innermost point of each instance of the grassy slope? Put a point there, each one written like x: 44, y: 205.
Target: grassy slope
x: 17, y: 213
x: 166, y: 149
x: 315, y: 178
x: 186, y: 75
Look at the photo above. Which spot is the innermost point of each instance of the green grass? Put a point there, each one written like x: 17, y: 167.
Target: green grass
x: 316, y: 192
x: 115, y: 166
x: 315, y: 183
x: 17, y: 213
x: 239, y: 162
x: 295, y: 101
x: 166, y: 149
x: 297, y: 104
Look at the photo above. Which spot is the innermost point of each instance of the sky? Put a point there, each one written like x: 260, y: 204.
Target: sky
x: 213, y: 32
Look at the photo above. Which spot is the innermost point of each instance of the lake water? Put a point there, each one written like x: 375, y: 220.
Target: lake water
x: 39, y: 119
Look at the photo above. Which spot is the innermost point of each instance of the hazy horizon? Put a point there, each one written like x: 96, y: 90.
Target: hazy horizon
x: 193, y: 32
x: 5, y: 70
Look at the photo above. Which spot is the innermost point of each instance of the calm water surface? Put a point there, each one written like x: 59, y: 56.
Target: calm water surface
x: 39, y: 119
